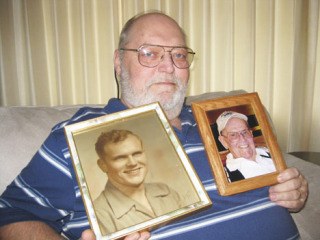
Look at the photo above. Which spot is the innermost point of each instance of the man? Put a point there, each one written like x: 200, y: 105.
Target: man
x: 244, y: 159
x: 127, y: 200
x: 147, y: 76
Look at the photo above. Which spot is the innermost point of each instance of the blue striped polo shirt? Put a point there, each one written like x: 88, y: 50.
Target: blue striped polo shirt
x: 47, y: 190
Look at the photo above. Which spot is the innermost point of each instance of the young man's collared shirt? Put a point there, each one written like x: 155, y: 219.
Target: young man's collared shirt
x: 47, y: 190
x: 116, y: 211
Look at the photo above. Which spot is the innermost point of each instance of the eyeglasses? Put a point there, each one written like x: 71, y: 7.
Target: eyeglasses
x: 234, y: 136
x: 151, y: 55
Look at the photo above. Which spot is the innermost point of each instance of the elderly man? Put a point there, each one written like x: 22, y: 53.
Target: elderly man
x: 127, y: 199
x: 244, y: 159
x: 152, y: 63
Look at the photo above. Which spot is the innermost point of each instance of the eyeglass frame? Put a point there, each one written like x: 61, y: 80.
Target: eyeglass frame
x: 189, y: 51
x: 242, y: 132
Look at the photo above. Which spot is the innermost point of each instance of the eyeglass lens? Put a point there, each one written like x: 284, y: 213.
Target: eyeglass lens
x: 151, y: 56
x: 236, y: 135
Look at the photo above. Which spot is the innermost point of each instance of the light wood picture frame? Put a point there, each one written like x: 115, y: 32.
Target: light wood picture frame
x: 206, y: 113
x: 167, y: 164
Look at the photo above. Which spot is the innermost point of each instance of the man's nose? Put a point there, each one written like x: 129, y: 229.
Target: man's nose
x: 166, y: 64
x: 131, y: 160
x: 242, y: 136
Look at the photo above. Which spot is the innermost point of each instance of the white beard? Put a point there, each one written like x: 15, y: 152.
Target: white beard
x: 172, y: 106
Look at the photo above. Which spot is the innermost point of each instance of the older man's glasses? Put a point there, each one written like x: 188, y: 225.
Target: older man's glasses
x: 235, y: 136
x: 151, y: 55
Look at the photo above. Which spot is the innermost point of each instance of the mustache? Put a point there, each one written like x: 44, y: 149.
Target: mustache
x: 163, y: 79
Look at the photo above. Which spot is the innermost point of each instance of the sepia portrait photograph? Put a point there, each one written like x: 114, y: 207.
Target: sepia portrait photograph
x: 239, y: 142
x: 132, y: 172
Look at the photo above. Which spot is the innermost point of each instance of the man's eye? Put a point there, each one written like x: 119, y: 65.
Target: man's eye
x: 137, y: 154
x: 245, y: 133
x: 232, y: 135
x: 149, y: 54
x: 120, y: 158
x: 180, y: 56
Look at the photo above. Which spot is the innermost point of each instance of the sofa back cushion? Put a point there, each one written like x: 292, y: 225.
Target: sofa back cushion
x: 22, y: 131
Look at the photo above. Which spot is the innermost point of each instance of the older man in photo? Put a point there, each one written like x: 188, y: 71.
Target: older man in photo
x: 245, y: 160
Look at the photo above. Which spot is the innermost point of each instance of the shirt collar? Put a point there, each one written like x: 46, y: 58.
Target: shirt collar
x: 116, y: 105
x: 119, y: 202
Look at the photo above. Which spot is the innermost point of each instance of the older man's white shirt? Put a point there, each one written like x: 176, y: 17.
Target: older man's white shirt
x: 248, y: 168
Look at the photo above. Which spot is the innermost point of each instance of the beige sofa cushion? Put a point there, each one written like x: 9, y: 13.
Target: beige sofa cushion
x: 22, y: 131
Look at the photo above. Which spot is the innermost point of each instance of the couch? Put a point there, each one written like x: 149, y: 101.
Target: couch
x: 23, y: 129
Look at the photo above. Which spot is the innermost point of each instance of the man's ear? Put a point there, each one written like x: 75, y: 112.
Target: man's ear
x: 116, y: 62
x: 102, y: 165
x: 223, y: 142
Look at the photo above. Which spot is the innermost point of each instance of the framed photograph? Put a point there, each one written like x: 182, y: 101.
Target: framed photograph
x: 239, y: 142
x: 133, y: 172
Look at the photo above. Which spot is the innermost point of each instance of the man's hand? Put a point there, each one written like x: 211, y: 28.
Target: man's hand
x: 89, y: 235
x: 291, y: 191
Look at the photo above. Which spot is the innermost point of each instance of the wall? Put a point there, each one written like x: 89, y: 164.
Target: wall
x: 61, y: 52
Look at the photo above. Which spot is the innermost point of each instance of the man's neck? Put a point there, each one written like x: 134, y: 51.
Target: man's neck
x: 128, y: 189
x: 176, y: 122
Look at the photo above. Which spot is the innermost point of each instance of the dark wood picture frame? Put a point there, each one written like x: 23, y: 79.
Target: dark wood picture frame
x: 167, y: 164
x: 206, y: 112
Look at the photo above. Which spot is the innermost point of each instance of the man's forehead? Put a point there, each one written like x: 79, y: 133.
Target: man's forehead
x: 150, y: 30
x: 156, y: 18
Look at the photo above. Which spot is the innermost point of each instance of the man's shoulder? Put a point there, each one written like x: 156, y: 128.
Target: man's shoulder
x: 101, y: 199
x: 84, y: 113
x: 262, y: 150
x: 91, y: 111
